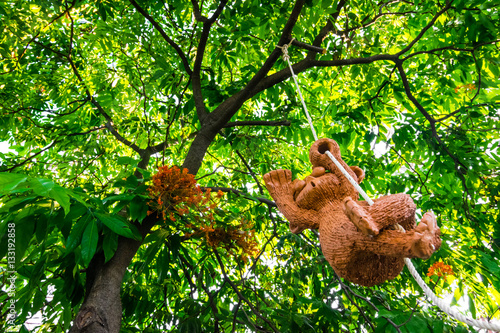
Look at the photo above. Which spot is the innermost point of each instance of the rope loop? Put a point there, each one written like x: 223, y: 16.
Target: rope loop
x: 284, y: 49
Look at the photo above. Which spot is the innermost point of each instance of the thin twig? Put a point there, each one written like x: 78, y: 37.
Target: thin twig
x: 240, y: 193
x: 240, y: 295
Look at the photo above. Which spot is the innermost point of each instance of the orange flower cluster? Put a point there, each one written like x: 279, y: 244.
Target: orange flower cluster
x: 440, y: 269
x: 174, y: 192
x: 232, y: 238
x: 171, y: 186
x: 468, y: 88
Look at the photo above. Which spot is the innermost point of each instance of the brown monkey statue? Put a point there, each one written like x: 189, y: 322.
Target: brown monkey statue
x: 358, y: 240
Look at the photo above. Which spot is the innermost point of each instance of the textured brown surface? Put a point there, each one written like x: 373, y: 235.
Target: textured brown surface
x: 356, y: 239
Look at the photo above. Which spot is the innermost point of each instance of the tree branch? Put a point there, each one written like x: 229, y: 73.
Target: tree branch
x: 35, y: 36
x: 162, y: 32
x: 284, y: 39
x: 202, y: 44
x: 328, y: 27
x: 240, y: 295
x: 261, y: 190
x: 31, y: 157
x: 411, y: 168
x: 197, y: 12
x: 478, y: 78
x: 223, y: 113
x: 427, y: 27
x: 306, y: 64
x: 372, y: 21
x: 110, y: 127
x: 465, y: 108
x: 218, y: 11
x: 109, y: 123
x: 308, y: 47
x: 346, y: 292
x: 406, y: 85
x: 87, y: 132
x: 460, y: 168
x: 240, y: 193
x: 452, y: 48
x: 258, y: 123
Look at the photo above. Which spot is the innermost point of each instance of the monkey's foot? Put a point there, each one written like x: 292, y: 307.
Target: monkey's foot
x: 427, y: 237
x: 360, y: 217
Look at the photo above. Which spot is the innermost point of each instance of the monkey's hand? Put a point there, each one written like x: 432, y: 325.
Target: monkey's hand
x: 279, y: 184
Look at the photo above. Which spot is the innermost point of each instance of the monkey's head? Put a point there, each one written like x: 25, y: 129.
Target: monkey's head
x: 326, y: 184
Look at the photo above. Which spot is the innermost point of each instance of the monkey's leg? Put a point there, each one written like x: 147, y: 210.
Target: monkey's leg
x: 420, y: 242
x: 391, y: 209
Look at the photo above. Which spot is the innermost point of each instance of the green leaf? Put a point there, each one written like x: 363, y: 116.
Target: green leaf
x: 102, y: 11
x: 41, y: 186
x: 145, y: 173
x: 417, y: 324
x: 138, y: 208
x: 8, y: 181
x: 24, y: 233
x: 457, y: 294
x: 132, y: 181
x: 191, y: 325
x: 75, y: 236
x: 141, y: 189
x: 472, y: 307
x: 298, y: 319
x: 437, y: 326
x: 119, y: 226
x: 78, y: 197
x: 41, y: 228
x: 119, y: 197
x: 60, y: 195
x: 388, y: 313
x: 16, y: 204
x: 125, y: 160
x: 175, y: 244
x: 490, y: 264
x: 38, y: 301
x: 89, y: 242
x: 5, y: 232
x: 109, y: 245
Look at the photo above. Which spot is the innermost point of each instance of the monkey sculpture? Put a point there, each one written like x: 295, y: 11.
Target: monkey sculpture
x: 358, y: 240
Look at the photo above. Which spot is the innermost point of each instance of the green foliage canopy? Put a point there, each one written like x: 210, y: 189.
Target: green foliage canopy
x: 95, y: 95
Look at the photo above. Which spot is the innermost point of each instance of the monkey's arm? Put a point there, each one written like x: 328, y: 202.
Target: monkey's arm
x: 279, y: 185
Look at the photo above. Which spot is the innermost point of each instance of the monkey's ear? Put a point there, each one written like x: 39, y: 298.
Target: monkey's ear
x: 359, y: 173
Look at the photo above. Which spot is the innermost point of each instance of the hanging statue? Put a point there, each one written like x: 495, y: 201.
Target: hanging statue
x: 358, y: 240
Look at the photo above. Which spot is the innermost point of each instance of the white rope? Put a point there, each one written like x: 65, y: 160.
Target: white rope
x: 348, y: 176
x: 495, y: 326
x: 286, y: 57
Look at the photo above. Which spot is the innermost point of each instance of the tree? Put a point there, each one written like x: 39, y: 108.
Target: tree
x: 97, y: 95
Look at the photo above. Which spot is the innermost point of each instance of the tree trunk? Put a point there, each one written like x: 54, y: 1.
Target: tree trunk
x: 101, y: 311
